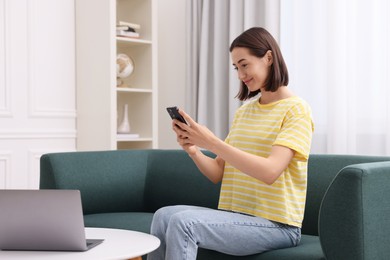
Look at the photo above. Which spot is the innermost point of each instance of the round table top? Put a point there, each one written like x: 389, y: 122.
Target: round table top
x: 117, y: 244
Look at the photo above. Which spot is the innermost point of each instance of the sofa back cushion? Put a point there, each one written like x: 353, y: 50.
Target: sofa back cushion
x: 322, y: 169
x: 109, y: 181
x: 173, y: 179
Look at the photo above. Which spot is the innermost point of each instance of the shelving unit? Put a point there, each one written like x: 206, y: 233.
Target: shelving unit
x: 99, y: 101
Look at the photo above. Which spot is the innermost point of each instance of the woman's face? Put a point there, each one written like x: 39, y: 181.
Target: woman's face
x: 252, y: 70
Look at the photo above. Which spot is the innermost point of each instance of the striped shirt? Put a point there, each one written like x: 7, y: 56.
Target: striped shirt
x: 255, y: 129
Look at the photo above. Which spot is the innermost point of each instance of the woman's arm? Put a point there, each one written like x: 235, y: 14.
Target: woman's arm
x: 264, y: 169
x: 210, y: 167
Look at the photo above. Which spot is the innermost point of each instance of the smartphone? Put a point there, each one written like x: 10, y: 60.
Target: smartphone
x: 174, y: 113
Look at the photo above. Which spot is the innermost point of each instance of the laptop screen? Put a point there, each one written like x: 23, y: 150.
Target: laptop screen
x: 41, y: 220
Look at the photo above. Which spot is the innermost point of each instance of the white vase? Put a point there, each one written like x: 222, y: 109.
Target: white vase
x: 124, y: 126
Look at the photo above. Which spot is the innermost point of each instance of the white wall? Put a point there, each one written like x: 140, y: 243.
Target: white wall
x: 171, y: 65
x: 37, y: 86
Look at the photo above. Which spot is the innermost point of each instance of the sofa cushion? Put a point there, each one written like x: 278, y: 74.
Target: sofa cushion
x: 138, y: 221
x: 308, y: 249
x: 173, y: 179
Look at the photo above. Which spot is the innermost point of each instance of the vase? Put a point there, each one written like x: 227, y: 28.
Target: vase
x: 124, y: 126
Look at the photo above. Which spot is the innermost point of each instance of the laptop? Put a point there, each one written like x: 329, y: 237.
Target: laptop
x: 45, y: 220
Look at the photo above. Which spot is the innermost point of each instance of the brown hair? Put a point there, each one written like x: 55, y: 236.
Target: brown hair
x: 258, y: 40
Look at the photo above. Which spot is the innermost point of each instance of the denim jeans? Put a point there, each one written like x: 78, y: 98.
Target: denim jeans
x: 182, y: 229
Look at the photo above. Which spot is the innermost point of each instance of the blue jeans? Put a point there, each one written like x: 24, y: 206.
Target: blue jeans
x: 182, y: 229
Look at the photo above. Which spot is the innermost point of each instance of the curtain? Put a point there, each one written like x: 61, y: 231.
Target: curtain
x: 212, y: 84
x: 338, y: 58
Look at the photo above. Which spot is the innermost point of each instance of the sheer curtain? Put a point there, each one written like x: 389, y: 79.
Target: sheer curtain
x: 211, y: 81
x: 338, y: 57
x: 337, y: 52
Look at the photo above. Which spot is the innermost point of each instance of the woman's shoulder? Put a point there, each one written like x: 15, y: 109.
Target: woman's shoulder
x: 298, y: 105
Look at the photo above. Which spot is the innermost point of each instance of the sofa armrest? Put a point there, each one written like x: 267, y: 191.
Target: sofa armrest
x: 354, y: 218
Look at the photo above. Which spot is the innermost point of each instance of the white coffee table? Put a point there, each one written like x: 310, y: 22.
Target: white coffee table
x: 117, y: 244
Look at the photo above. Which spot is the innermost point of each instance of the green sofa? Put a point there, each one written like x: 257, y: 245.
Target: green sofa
x: 347, y: 209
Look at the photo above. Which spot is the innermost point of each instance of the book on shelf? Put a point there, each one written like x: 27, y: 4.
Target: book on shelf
x: 129, y: 34
x: 132, y: 25
x: 126, y: 29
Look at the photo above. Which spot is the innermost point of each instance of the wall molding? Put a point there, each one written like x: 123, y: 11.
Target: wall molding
x: 35, y: 134
x: 41, y: 113
x: 34, y: 168
x: 5, y: 169
x: 35, y: 110
x: 5, y: 103
x: 34, y: 165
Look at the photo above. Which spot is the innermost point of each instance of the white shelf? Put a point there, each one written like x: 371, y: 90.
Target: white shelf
x: 100, y: 102
x: 132, y: 139
x: 132, y: 41
x: 134, y: 90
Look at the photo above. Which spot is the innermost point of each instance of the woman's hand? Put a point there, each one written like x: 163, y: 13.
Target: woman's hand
x: 177, y: 127
x: 191, y: 149
x: 193, y: 134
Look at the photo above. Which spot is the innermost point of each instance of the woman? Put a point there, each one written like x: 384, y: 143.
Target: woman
x: 262, y: 164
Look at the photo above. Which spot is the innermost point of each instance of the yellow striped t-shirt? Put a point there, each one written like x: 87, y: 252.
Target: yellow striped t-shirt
x: 255, y: 129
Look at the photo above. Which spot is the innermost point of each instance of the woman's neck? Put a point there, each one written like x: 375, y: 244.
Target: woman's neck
x: 270, y: 97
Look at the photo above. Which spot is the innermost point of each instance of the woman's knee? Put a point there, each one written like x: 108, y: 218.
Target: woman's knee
x: 163, y: 215
x: 160, y: 219
x: 184, y: 220
x: 168, y: 211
